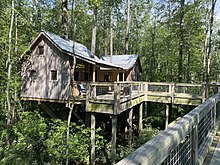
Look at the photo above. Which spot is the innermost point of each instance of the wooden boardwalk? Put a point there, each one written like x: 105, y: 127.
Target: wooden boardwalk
x: 213, y: 156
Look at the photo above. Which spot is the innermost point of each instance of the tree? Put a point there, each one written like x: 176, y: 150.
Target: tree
x: 9, y: 73
x: 127, y: 27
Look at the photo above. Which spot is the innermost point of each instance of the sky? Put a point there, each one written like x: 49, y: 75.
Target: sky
x: 217, y: 9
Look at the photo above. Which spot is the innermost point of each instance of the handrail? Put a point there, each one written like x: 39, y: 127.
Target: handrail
x: 186, y: 141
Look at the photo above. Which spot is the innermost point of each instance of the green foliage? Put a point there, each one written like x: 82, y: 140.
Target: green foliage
x: 27, y: 146
x: 79, y: 143
x: 147, y: 134
x: 38, y: 141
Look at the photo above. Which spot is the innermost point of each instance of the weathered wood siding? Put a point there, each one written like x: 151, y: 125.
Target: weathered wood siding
x: 134, y: 73
x: 42, y: 86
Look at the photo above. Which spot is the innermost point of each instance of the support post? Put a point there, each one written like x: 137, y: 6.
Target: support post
x: 114, y: 133
x: 195, y: 145
x: 203, y: 92
x: 214, y: 115
x: 116, y: 98
x: 93, y: 138
x: 87, y: 118
x: 117, y: 76
x: 145, y: 98
x: 130, y: 126
x: 140, y: 124
x: 166, y: 116
x: 93, y: 73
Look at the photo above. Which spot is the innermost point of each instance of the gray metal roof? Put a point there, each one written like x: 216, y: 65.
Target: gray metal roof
x: 125, y: 61
x: 80, y: 50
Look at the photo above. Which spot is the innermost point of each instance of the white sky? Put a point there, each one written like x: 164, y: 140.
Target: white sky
x: 217, y: 9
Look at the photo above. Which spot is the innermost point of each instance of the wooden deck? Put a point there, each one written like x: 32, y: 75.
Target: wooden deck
x: 115, y: 98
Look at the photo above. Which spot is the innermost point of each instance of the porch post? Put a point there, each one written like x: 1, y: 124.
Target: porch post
x: 117, y: 76
x: 93, y: 73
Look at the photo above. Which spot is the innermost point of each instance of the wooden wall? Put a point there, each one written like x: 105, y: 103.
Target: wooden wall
x: 41, y: 85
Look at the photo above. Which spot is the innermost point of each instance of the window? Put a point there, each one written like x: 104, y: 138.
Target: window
x: 33, y: 75
x: 41, y: 50
x: 53, y: 75
x: 106, y: 77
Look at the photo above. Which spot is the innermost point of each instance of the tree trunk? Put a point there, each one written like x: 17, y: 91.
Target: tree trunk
x: 67, y: 134
x: 111, y: 32
x: 127, y: 28
x: 181, y: 39
x: 209, y: 47
x: 93, y: 48
x: 64, y: 19
x: 9, y: 74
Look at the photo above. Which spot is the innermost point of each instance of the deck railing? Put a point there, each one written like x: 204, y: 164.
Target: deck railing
x: 178, y: 90
x: 185, y: 142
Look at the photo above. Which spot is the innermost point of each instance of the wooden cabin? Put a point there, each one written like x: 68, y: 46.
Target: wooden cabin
x: 131, y: 68
x: 47, y: 70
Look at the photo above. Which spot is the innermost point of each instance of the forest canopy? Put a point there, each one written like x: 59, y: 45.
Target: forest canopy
x: 178, y: 41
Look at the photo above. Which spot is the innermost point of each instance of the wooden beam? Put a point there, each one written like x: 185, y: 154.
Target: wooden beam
x: 130, y: 126
x: 140, y: 123
x: 93, y: 123
x: 114, y: 135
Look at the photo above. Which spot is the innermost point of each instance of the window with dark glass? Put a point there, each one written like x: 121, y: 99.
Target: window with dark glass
x: 53, y: 75
x: 106, y: 78
x: 41, y: 50
x: 33, y: 75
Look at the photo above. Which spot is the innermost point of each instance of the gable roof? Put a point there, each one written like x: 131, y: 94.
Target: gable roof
x: 80, y: 51
x: 125, y: 61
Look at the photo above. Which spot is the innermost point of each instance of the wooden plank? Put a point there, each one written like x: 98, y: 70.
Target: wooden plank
x: 113, y: 141
x: 100, y: 108
x: 185, y: 101
x: 159, y: 99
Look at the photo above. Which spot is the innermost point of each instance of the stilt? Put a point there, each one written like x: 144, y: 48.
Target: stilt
x: 93, y: 138
x: 170, y: 113
x: 114, y: 133
x: 166, y: 116
x: 126, y: 125
x: 130, y: 126
x: 140, y: 124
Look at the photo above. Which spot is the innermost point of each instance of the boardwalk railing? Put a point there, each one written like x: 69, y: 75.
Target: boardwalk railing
x: 116, y: 97
x: 185, y: 142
